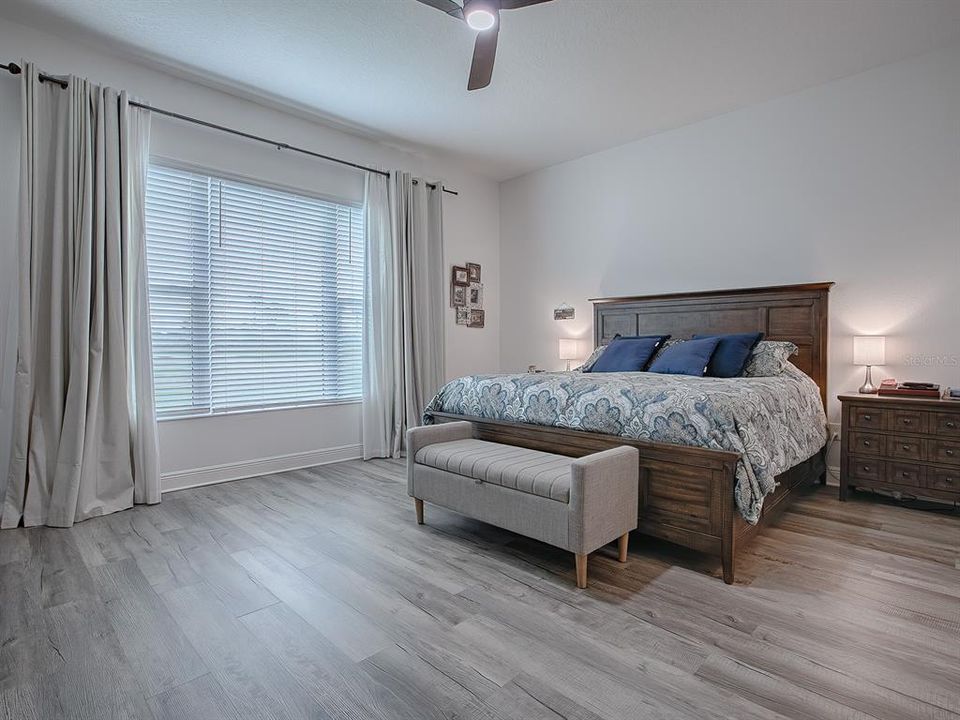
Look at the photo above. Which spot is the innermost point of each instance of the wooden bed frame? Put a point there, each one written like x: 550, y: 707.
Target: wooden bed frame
x: 687, y: 493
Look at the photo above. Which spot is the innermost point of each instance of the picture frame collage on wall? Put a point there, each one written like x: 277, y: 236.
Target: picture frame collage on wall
x: 466, y: 295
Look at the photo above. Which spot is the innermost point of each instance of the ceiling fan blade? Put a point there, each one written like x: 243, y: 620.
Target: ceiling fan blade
x: 514, y: 4
x: 484, y: 53
x: 446, y: 6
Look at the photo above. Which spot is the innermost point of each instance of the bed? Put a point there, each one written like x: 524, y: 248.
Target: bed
x: 707, y: 479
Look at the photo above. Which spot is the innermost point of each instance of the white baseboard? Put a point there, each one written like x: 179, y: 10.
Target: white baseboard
x: 213, y: 474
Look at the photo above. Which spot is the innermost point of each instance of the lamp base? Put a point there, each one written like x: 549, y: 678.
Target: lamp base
x: 868, y: 388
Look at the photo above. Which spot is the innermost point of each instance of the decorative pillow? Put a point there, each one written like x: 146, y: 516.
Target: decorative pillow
x: 732, y: 353
x: 588, y: 363
x: 686, y: 358
x: 628, y: 354
x: 668, y: 344
x: 769, y: 358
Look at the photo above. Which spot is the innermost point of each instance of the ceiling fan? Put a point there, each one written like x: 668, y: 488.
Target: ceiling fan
x: 484, y: 17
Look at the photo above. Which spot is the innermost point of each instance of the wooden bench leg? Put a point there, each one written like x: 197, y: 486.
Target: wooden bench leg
x: 581, y: 570
x: 622, y: 544
x: 418, y: 503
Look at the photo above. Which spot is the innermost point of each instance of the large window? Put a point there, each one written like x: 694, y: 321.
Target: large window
x: 256, y: 295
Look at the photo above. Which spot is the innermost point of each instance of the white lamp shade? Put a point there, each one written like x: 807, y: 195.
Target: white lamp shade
x: 869, y: 350
x: 568, y: 349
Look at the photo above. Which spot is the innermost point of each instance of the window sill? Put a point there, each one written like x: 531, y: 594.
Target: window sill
x: 277, y: 408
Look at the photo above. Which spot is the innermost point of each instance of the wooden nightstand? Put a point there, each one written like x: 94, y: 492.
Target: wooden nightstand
x: 909, y: 445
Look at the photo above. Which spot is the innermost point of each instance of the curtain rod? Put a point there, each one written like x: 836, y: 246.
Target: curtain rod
x: 14, y: 69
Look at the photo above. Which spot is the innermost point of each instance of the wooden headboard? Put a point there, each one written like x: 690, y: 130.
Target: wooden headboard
x: 797, y: 313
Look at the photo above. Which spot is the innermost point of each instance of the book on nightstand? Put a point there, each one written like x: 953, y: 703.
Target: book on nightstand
x: 951, y: 394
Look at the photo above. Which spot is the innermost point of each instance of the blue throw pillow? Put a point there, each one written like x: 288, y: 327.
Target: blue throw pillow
x: 628, y: 354
x: 686, y: 358
x: 732, y: 353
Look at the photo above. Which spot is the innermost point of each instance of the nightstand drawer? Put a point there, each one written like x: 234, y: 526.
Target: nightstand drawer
x: 943, y: 451
x: 899, y: 473
x: 863, y: 468
x: 867, y: 418
x: 946, y: 424
x: 912, y: 421
x: 904, y: 448
x: 943, y: 479
x: 863, y: 443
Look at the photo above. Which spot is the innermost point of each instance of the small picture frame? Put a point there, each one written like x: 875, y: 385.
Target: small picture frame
x: 458, y: 296
x: 473, y: 272
x: 564, y: 312
x: 463, y: 316
x: 475, y: 296
x: 460, y: 276
x: 476, y: 318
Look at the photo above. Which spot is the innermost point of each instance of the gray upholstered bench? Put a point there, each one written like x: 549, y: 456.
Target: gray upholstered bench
x: 578, y: 504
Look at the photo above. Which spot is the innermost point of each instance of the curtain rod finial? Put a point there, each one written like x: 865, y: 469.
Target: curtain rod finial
x: 14, y: 68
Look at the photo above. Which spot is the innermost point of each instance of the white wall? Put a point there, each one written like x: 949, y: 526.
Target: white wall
x: 856, y: 181
x: 200, y: 450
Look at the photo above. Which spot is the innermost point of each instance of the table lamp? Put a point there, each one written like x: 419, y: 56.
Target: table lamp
x: 869, y: 350
x: 568, y: 350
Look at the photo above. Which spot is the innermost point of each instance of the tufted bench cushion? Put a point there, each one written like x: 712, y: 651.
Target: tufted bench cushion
x: 528, y: 471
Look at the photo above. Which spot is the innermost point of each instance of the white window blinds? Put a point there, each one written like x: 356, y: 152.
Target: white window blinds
x: 255, y: 295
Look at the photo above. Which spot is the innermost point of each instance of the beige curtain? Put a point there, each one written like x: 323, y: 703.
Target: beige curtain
x: 9, y: 194
x: 381, y: 414
x: 403, y: 348
x: 84, y: 436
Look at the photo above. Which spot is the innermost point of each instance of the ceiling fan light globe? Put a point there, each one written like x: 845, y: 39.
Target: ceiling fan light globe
x: 480, y: 18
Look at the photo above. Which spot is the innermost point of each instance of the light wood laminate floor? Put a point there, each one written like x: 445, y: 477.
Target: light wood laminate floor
x: 313, y: 594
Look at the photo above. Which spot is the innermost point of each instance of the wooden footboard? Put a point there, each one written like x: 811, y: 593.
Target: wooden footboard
x: 686, y: 493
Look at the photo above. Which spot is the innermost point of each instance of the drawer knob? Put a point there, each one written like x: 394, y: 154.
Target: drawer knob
x: 906, y: 447
x: 907, y: 421
x: 868, y: 418
x: 866, y: 443
x: 949, y: 452
x: 951, y: 424
x: 866, y: 468
x: 905, y: 474
x: 948, y: 481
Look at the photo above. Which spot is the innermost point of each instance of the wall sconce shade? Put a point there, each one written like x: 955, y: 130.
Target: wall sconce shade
x: 869, y: 350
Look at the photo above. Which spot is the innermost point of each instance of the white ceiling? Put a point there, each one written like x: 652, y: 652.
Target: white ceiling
x: 572, y: 76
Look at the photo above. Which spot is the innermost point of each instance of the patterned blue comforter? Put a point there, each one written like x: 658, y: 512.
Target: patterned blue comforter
x: 773, y: 422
